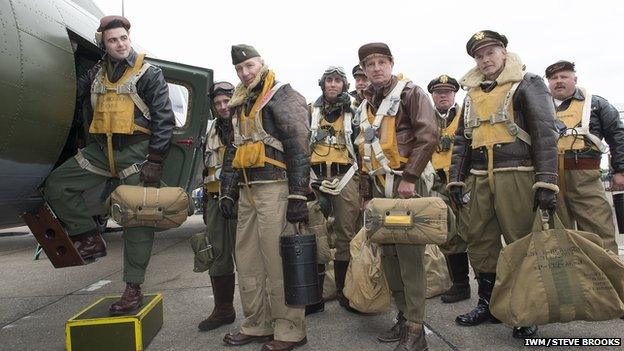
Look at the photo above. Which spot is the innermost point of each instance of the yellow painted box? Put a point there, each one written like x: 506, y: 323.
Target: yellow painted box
x: 93, y: 329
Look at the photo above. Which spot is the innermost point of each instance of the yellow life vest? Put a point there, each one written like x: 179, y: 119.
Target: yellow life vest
x: 213, y: 158
x: 489, y: 120
x: 576, y: 119
x: 250, y: 138
x: 388, y: 141
x: 113, y: 105
x: 441, y: 159
x: 333, y: 148
x: 571, y: 117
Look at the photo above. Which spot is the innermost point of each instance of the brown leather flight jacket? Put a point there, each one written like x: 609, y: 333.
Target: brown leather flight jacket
x: 534, y: 113
x: 285, y: 117
x: 416, y: 126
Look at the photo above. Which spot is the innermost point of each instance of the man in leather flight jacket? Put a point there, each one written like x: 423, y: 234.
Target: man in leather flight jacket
x: 274, y: 184
x: 144, y: 150
x: 506, y: 138
x: 582, y: 197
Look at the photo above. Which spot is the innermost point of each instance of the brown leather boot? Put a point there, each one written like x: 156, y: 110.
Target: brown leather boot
x: 413, y: 338
x: 90, y: 245
x: 277, y: 345
x: 393, y: 334
x: 223, y: 312
x: 238, y: 339
x: 131, y: 300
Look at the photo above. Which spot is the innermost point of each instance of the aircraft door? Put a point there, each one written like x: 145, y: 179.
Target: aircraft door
x: 188, y: 91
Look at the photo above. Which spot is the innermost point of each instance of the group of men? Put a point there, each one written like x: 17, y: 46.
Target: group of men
x: 275, y: 164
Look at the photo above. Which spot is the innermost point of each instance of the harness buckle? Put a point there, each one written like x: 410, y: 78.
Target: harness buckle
x: 512, y: 128
x: 369, y: 135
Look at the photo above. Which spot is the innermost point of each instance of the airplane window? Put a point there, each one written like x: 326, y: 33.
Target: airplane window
x: 179, y: 96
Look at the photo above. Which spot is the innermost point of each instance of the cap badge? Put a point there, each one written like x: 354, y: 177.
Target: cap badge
x: 443, y: 79
x: 479, y: 36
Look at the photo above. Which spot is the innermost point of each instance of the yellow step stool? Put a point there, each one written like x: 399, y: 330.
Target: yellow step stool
x: 93, y: 329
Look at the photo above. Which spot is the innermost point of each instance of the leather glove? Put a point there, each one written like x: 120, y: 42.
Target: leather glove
x: 456, y: 194
x: 545, y: 199
x: 344, y: 100
x: 297, y: 211
x: 227, y: 208
x: 150, y: 174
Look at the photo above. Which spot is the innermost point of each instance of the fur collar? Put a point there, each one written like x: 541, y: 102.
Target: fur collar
x: 241, y: 93
x: 513, y: 72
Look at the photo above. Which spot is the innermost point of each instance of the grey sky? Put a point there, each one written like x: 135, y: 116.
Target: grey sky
x: 298, y: 39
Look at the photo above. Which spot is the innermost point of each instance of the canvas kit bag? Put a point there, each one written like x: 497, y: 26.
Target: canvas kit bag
x: 365, y: 283
x: 138, y: 206
x: 416, y: 221
x: 555, y: 276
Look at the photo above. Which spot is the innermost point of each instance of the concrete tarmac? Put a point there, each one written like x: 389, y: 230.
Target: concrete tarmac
x: 36, y: 300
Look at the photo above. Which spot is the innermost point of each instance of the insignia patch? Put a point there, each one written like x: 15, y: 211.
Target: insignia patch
x: 479, y: 36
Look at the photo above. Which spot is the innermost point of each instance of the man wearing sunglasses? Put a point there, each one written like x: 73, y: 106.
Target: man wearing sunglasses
x: 333, y: 164
x: 398, y: 135
x: 221, y: 231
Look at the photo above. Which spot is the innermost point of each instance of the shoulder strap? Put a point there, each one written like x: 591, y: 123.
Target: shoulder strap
x: 389, y: 105
x: 140, y: 104
x: 314, y: 123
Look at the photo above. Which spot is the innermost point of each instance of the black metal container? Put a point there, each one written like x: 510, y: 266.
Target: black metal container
x: 618, y: 205
x: 301, y: 285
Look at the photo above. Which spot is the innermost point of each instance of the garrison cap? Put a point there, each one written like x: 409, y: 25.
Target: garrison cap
x: 243, y: 52
x: 483, y: 39
x: 559, y: 66
x: 374, y: 49
x: 443, y: 82
x: 221, y: 88
x: 357, y: 71
x: 114, y: 21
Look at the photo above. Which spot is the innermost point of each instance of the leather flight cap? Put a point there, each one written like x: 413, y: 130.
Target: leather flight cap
x: 559, y: 66
x: 357, y: 71
x: 484, y: 39
x: 114, y: 21
x: 243, y: 52
x: 443, y: 82
x: 373, y: 49
x: 221, y: 88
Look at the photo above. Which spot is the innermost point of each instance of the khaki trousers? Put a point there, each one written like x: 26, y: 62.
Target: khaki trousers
x: 584, y: 202
x: 404, y: 268
x: 346, y: 211
x: 64, y: 190
x: 259, y: 264
x: 507, y: 211
x: 222, y: 236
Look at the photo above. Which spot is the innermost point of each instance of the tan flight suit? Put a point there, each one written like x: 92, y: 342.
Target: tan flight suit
x: 506, y: 161
x: 264, y: 175
x: 441, y: 161
x: 403, y: 104
x: 582, y: 200
x: 331, y: 158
